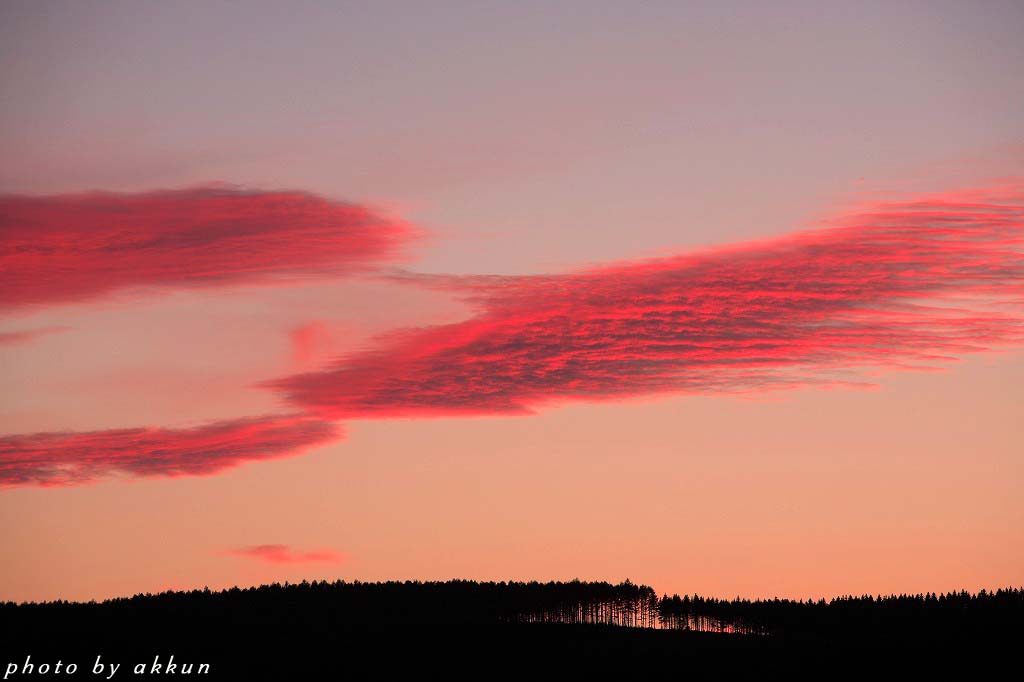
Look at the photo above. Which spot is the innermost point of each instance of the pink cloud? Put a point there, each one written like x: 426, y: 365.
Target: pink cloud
x: 74, y: 247
x: 310, y: 343
x: 55, y: 459
x: 28, y: 335
x: 897, y: 285
x: 283, y: 554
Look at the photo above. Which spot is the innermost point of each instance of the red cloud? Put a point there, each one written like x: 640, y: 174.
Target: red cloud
x: 52, y: 459
x: 76, y: 247
x: 27, y: 335
x: 283, y: 554
x: 905, y: 283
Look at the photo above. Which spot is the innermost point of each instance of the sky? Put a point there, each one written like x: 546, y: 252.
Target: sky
x: 726, y: 298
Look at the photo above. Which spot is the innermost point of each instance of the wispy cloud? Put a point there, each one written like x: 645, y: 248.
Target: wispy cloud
x: 897, y: 285
x: 75, y: 247
x: 28, y: 335
x: 55, y: 459
x: 310, y: 342
x: 900, y: 285
x: 284, y: 554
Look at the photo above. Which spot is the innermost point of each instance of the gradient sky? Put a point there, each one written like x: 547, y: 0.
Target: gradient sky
x: 511, y: 291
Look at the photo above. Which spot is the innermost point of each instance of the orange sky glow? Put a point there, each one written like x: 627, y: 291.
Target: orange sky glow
x: 753, y: 326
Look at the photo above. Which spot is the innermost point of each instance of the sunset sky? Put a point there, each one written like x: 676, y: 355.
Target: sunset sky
x: 719, y: 297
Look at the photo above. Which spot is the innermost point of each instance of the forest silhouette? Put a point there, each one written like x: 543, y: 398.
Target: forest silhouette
x: 485, y: 630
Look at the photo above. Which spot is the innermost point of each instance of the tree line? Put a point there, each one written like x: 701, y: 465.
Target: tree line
x: 353, y: 604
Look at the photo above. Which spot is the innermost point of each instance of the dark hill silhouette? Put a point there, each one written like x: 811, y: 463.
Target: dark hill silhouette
x: 472, y: 630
